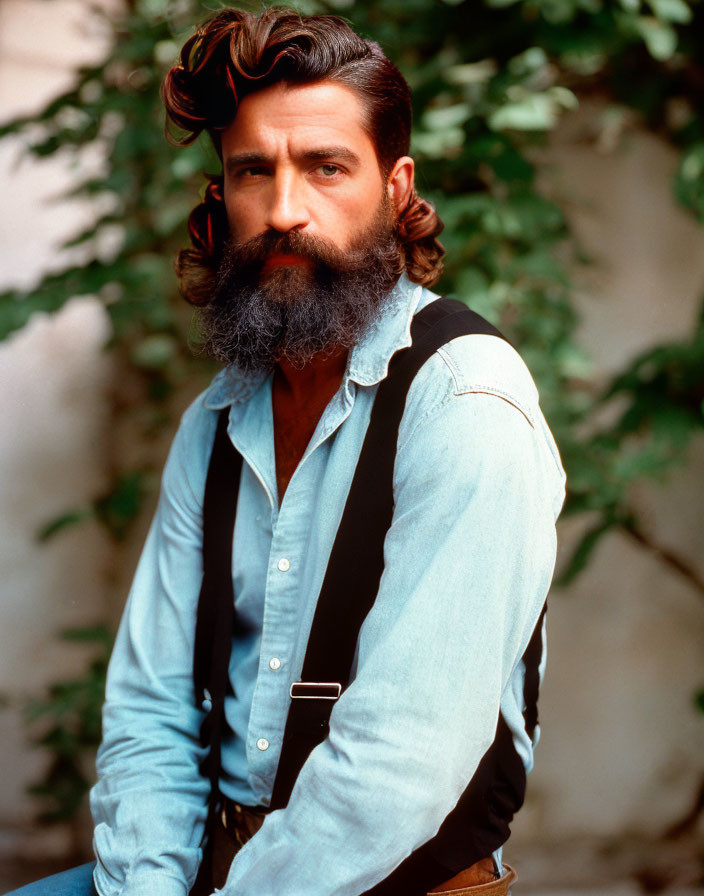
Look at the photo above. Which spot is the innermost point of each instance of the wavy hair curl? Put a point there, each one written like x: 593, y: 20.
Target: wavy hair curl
x: 237, y: 53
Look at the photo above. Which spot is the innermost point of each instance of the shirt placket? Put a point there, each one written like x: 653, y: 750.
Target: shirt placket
x: 286, y: 601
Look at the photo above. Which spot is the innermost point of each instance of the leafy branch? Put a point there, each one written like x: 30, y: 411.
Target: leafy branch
x: 68, y: 726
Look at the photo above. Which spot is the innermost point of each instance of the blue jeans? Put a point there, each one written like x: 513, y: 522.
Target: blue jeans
x: 76, y: 882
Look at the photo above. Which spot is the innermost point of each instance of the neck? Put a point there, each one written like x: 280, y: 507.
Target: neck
x: 322, y: 374
x: 299, y: 397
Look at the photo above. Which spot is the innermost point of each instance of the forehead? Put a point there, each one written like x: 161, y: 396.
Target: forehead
x: 299, y: 115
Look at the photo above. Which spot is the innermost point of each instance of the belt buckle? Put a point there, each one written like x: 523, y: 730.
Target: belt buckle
x: 235, y: 822
x: 315, y: 690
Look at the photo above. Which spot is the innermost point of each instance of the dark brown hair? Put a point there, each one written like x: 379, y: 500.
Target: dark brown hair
x: 236, y: 53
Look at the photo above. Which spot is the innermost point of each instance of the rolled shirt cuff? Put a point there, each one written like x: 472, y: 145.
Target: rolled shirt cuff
x: 142, y: 883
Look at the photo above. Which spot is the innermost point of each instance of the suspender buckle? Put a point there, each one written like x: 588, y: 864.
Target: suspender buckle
x: 315, y: 690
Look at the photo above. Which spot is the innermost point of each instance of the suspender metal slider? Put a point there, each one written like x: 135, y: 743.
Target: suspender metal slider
x: 315, y: 690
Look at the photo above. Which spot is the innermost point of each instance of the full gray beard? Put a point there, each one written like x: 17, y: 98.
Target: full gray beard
x: 296, y: 313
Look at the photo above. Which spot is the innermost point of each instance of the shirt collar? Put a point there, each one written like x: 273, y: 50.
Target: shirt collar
x: 232, y: 386
x: 369, y: 359
x: 368, y: 362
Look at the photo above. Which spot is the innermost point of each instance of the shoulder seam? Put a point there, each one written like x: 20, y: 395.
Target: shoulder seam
x: 462, y: 388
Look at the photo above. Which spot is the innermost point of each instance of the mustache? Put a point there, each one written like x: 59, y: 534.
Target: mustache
x: 250, y: 256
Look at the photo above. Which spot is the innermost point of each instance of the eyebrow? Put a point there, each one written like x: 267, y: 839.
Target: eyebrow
x: 339, y: 153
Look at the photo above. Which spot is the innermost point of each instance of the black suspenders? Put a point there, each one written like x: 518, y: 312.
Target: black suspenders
x: 357, y: 557
x: 479, y: 823
x: 216, y: 603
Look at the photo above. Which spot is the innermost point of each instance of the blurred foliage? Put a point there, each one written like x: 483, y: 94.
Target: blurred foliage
x: 116, y: 509
x: 490, y: 79
x: 66, y: 723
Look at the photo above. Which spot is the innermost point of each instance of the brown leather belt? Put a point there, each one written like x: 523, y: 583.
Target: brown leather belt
x: 481, y: 879
x: 242, y: 822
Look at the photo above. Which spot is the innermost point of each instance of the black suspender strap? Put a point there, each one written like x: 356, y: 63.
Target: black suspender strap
x: 216, y: 604
x: 357, y: 558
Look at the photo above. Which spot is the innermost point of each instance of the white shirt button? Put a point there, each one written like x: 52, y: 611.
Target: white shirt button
x: 284, y: 565
x: 274, y: 663
x: 262, y: 744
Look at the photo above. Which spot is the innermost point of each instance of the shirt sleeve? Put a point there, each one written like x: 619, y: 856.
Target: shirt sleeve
x: 149, y: 804
x: 468, y: 563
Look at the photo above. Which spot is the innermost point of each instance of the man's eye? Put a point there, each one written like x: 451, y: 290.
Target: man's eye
x: 252, y: 171
x: 329, y: 170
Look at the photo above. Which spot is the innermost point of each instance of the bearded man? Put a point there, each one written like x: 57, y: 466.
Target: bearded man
x: 326, y: 676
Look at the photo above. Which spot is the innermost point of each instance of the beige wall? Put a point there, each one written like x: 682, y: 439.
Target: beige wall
x: 54, y: 444
x: 621, y: 748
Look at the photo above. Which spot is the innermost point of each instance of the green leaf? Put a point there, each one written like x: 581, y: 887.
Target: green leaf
x: 672, y: 11
x: 154, y: 352
x: 472, y: 73
x: 527, y: 63
x: 533, y: 112
x: 689, y: 180
x: 120, y: 507
x: 582, y: 554
x: 660, y: 38
x: 437, y: 145
x: 446, y: 116
x: 64, y: 521
x: 92, y: 634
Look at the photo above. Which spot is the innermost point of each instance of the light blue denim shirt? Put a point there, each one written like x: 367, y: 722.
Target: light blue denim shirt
x: 468, y: 561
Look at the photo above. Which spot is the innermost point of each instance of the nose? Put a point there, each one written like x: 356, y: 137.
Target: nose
x: 287, y: 207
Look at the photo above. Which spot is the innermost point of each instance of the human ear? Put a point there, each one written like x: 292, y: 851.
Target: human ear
x: 399, y: 185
